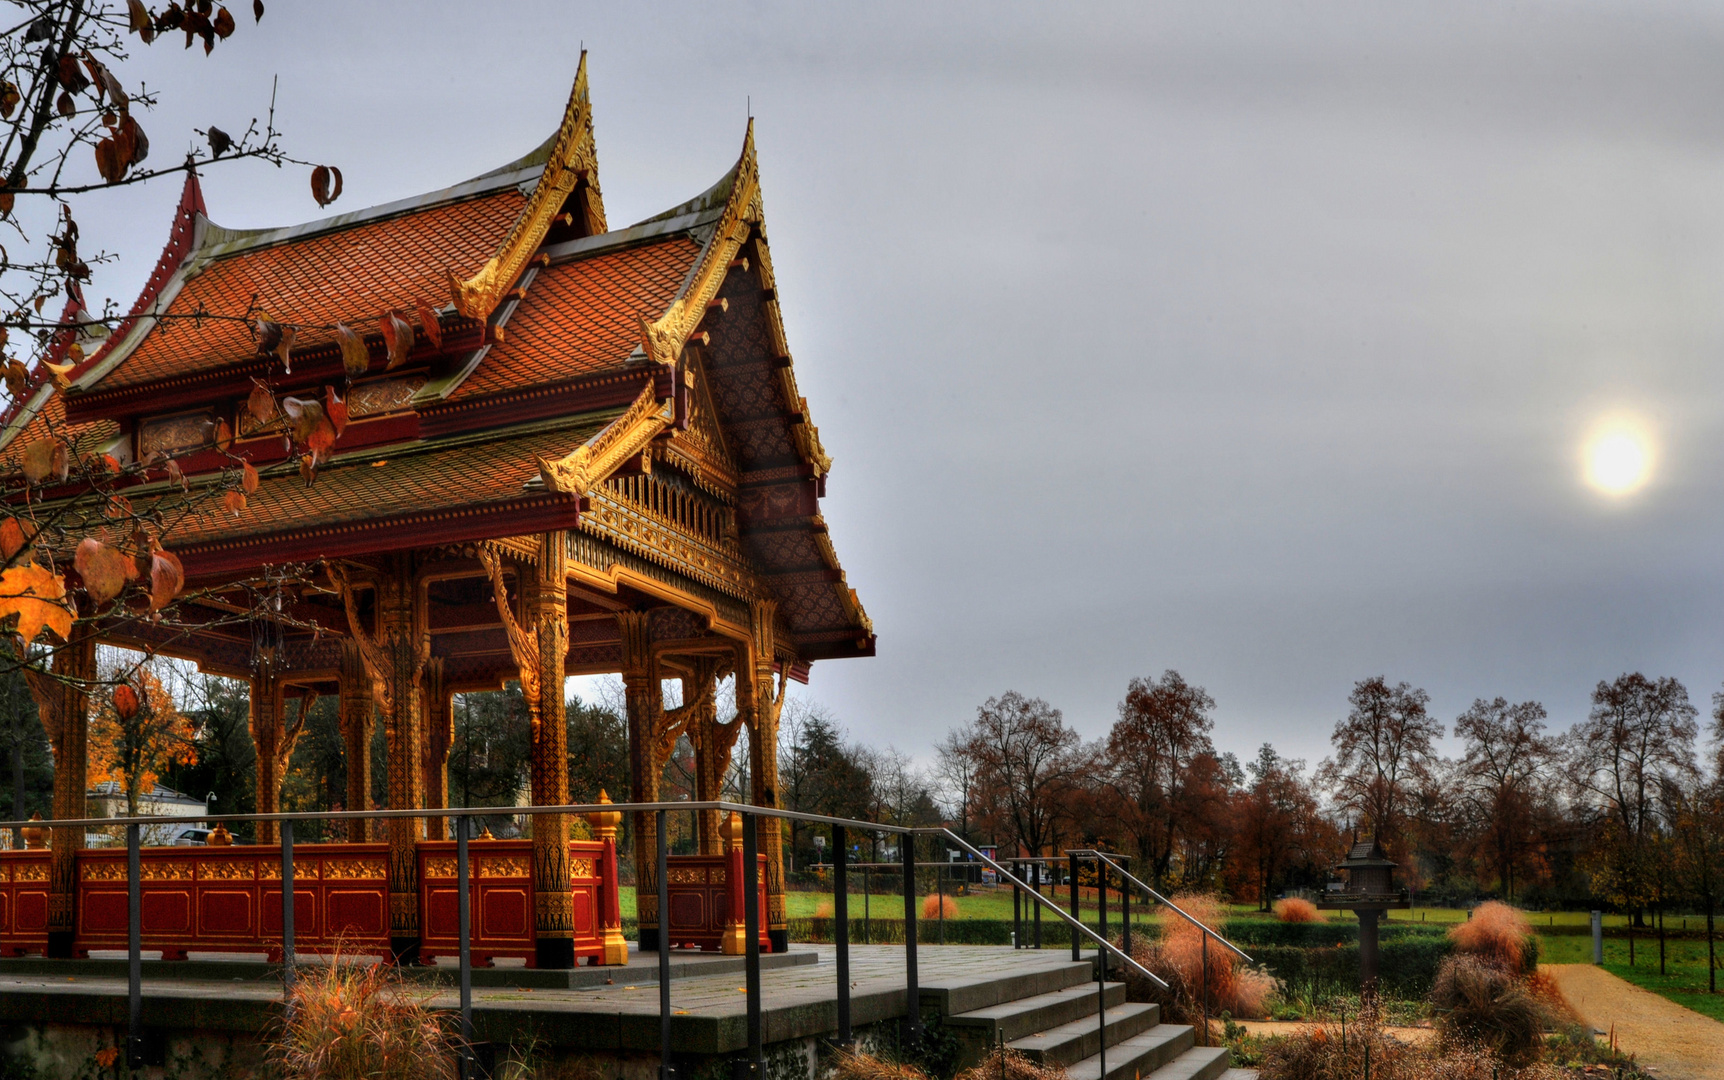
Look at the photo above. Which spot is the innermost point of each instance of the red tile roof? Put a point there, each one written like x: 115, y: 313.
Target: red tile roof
x: 581, y: 317
x: 348, y: 275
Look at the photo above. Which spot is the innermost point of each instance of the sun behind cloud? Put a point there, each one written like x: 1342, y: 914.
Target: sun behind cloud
x: 1618, y: 458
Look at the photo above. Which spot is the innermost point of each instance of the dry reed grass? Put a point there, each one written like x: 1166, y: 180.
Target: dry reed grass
x: 1498, y: 934
x: 932, y: 903
x: 1297, y: 909
x: 355, y: 1017
x: 1009, y: 1064
x: 1179, y: 959
x: 847, y: 1065
x: 1321, y: 1053
x: 1481, y: 1004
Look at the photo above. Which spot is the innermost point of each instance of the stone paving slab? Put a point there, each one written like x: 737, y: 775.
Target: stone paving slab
x: 709, y: 1011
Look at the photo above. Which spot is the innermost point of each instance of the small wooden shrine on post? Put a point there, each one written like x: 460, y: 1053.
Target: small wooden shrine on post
x: 1368, y: 891
x: 573, y: 449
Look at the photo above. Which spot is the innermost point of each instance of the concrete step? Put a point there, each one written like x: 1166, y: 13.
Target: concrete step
x: 954, y: 996
x: 1138, y: 1056
x: 1198, y: 1063
x: 1026, y: 1016
x: 1071, y: 1042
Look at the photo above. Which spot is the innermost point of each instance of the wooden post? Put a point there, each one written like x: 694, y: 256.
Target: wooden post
x: 548, y: 610
x: 267, y: 708
x: 763, y: 760
x: 64, y: 703
x: 356, y: 729
x: 712, y: 744
x: 404, y: 643
x: 645, y: 710
x: 439, y: 729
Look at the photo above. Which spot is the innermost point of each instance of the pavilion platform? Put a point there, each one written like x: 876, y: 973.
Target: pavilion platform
x: 58, y: 1011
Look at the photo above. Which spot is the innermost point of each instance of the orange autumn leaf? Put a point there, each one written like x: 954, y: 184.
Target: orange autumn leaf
x: 355, y: 357
x: 223, y: 436
x: 397, y: 339
x: 167, y: 577
x: 261, y: 403
x: 234, y: 501
x: 45, y: 458
x: 430, y: 326
x: 336, y: 410
x: 15, y: 535
x: 248, y: 478
x: 126, y: 701
x: 37, y: 596
x: 105, y: 569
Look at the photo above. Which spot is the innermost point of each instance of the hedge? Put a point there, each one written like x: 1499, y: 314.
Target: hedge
x: 1318, y: 935
x: 1406, y: 965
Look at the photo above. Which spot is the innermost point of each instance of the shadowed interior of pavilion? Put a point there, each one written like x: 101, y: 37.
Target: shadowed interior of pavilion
x: 590, y: 457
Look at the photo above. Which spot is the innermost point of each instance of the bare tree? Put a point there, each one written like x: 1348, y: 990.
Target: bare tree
x: 955, y: 773
x: 1025, y: 760
x: 1506, y: 757
x: 1384, y: 749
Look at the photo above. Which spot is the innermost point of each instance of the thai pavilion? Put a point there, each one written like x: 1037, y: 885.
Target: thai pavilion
x: 596, y: 461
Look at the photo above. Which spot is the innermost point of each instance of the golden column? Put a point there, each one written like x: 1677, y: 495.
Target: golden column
x: 439, y: 733
x: 712, y: 742
x: 763, y: 706
x: 268, y: 704
x: 395, y: 658
x: 645, y: 710
x: 62, y: 698
x: 356, y: 729
x: 540, y: 648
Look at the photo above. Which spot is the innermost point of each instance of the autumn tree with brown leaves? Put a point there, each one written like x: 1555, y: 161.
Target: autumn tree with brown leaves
x: 1160, y: 758
x: 1384, y: 750
x: 1026, y: 760
x: 1502, y: 774
x: 86, y: 532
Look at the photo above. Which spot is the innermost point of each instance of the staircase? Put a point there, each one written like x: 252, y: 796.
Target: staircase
x: 1051, y: 1016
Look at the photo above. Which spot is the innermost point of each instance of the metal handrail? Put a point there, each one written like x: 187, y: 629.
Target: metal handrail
x: 1100, y: 941
x: 1086, y: 853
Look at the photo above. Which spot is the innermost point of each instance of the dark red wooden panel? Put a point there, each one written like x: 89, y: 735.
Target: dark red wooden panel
x: 166, y: 912
x: 505, y: 912
x: 104, y: 911
x: 227, y: 912
x: 32, y: 912
x: 351, y: 911
x: 304, y: 912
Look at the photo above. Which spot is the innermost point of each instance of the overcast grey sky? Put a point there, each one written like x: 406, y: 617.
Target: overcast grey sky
x: 1256, y: 341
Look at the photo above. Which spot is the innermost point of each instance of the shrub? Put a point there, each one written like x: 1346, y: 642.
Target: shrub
x: 1499, y: 935
x: 1321, y: 1053
x: 1009, y: 1064
x: 1297, y: 909
x: 1179, y: 958
x: 823, y: 910
x: 1479, y: 1004
x: 352, y: 1018
x: 934, y: 902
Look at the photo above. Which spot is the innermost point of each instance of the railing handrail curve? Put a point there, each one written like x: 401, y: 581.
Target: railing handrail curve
x: 1086, y: 853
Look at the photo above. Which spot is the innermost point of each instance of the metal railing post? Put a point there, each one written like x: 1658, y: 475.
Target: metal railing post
x: 1036, y: 908
x: 1125, y: 916
x: 912, y: 990
x: 1204, y: 1041
x: 1101, y: 880
x: 1017, y: 909
x: 665, y: 1071
x: 940, y: 888
x: 287, y: 912
x: 867, y: 895
x: 134, y: 951
x: 1071, y: 877
x: 841, y: 930
x: 464, y: 914
x: 1101, y: 1013
x: 751, y: 927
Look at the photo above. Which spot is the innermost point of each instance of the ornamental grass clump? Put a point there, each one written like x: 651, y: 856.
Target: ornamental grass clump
x: 933, y: 903
x: 1325, y: 1052
x: 1481, y: 1005
x: 355, y: 1018
x: 1499, y: 935
x: 847, y: 1065
x: 1178, y: 957
x: 1009, y: 1064
x: 1297, y: 909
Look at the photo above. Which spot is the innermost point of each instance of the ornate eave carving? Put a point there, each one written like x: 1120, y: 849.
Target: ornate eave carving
x: 573, y: 159
x: 618, y: 441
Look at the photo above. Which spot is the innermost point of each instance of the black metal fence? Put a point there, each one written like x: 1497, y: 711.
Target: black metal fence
x: 753, y: 1064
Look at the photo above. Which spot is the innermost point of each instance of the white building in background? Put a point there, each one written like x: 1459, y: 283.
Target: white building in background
x: 108, y: 799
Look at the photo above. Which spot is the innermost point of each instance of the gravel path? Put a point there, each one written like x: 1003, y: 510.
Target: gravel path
x: 1680, y: 1043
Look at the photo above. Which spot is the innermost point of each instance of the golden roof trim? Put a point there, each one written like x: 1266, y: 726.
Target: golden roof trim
x: 573, y: 158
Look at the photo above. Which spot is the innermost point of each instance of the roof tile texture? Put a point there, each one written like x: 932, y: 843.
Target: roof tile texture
x: 349, y: 275
x: 582, y: 317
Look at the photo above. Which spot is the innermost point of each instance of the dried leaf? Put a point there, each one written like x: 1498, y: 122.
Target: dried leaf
x: 223, y: 24
x: 139, y: 18
x: 65, y: 106
x: 105, y: 569
x: 15, y: 536
x: 177, y: 475
x: 220, y: 143
x: 71, y: 75
x: 398, y: 338
x: 17, y: 377
x: 45, y: 458
x: 261, y: 403
x: 308, y: 471
x: 167, y: 576
x: 257, y: 10
x: 223, y: 436
x: 37, y: 596
x: 131, y: 136
x: 234, y: 501
x: 118, y: 507
x: 355, y: 357
x: 108, y: 162
x: 126, y: 701
x: 9, y: 98
x: 268, y: 335
x: 248, y: 478
x: 336, y: 410
x: 325, y: 184
x: 284, y: 348
x: 430, y: 326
